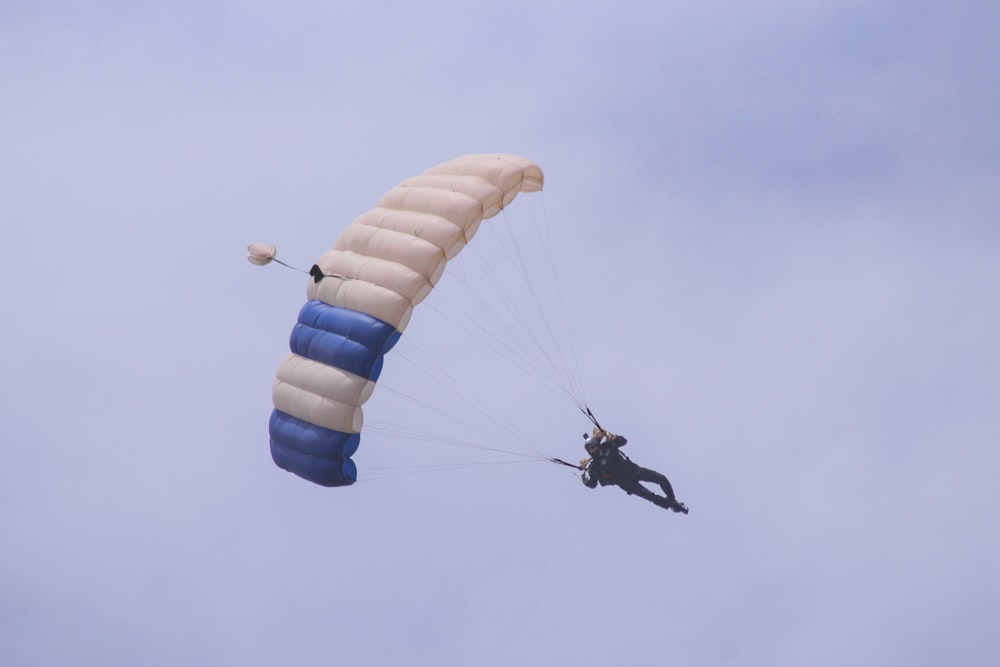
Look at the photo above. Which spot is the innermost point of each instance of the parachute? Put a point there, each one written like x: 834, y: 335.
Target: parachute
x: 362, y: 297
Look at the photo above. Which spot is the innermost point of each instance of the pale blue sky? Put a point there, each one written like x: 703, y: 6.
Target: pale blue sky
x: 777, y: 247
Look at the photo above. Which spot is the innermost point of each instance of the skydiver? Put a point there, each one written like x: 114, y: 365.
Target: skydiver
x: 607, y: 465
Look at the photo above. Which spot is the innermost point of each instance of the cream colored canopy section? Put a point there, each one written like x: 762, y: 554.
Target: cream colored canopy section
x: 388, y: 260
x: 391, y: 257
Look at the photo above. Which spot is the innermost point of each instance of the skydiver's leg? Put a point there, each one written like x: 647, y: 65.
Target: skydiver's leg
x: 636, y: 489
x: 670, y: 502
x: 647, y: 475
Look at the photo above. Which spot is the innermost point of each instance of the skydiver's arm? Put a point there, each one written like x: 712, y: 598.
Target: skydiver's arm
x: 617, y: 441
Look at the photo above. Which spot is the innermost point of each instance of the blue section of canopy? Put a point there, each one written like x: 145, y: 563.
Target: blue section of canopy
x: 342, y: 338
x: 311, y: 439
x: 324, y: 472
x: 346, y: 339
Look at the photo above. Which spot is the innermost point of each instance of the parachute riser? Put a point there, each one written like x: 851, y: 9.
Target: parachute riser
x: 590, y: 415
x: 565, y: 463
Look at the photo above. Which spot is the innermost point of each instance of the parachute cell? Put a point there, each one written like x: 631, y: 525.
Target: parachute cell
x: 383, y: 264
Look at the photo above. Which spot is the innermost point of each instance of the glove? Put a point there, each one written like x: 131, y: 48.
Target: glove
x: 583, y: 463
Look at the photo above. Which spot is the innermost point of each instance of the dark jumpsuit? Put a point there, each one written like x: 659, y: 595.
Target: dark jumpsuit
x: 610, y: 466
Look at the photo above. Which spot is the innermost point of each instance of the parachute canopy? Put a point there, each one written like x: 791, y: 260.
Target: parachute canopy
x: 383, y: 264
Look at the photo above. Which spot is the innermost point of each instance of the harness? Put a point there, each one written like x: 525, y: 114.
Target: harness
x: 605, y: 474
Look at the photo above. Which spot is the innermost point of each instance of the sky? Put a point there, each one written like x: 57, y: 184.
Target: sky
x: 775, y: 267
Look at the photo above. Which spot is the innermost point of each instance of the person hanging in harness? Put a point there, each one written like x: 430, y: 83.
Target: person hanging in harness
x: 607, y: 465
